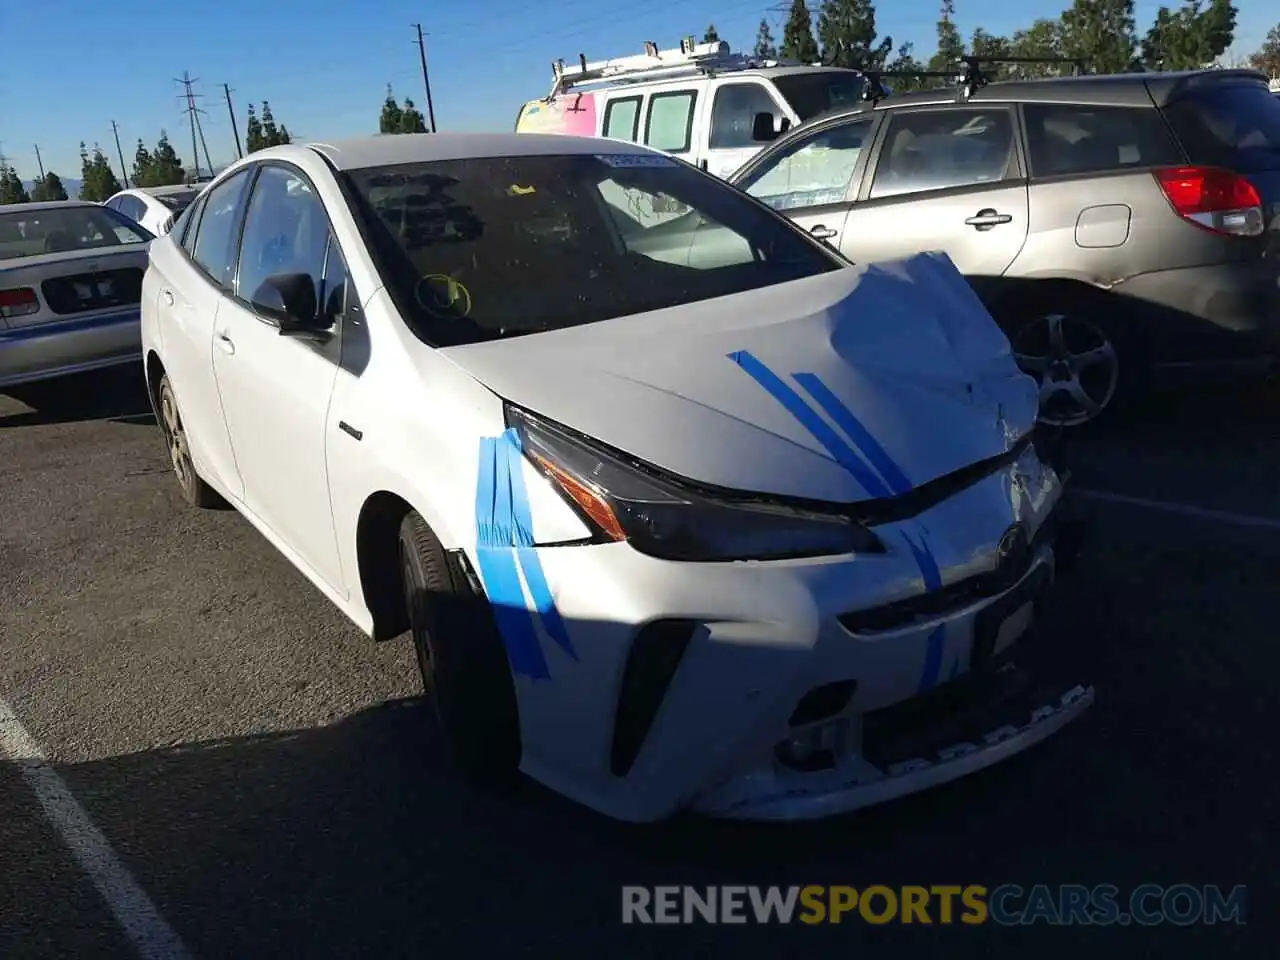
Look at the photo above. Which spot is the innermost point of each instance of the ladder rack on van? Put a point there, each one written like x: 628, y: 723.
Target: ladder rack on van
x: 655, y: 64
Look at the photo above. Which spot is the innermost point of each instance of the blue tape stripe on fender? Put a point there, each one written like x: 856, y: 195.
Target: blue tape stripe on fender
x: 821, y: 431
x: 937, y: 640
x: 496, y: 555
x: 534, y: 578
x: 862, y: 439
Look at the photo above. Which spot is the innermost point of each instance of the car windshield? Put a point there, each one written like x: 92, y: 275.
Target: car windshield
x: 29, y: 232
x: 483, y: 248
x: 177, y: 202
x: 1232, y: 126
x: 815, y: 92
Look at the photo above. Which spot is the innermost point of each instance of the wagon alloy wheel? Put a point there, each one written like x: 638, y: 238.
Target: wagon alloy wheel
x: 1074, y: 362
x: 176, y: 439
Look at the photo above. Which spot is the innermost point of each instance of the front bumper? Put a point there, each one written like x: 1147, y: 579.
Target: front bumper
x: 738, y: 652
x: 63, y: 347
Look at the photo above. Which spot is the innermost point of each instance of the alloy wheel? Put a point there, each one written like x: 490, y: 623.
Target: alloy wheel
x: 1074, y: 362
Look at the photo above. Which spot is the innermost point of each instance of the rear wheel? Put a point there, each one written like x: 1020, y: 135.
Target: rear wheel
x: 194, y: 490
x: 463, y: 662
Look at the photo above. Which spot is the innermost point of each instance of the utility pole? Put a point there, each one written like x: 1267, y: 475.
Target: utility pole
x: 124, y: 171
x: 39, y: 161
x: 193, y: 118
x: 426, y: 80
x: 231, y: 110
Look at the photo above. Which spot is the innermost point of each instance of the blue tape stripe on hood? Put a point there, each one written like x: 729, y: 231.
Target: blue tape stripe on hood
x: 534, y: 577
x: 866, y: 444
x: 504, y: 549
x: 937, y: 640
x: 809, y: 419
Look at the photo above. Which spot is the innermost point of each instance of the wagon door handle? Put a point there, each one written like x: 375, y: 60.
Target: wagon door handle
x: 821, y: 232
x: 988, y: 218
x: 225, y: 342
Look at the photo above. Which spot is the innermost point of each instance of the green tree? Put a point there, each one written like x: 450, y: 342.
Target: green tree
x: 411, y: 119
x: 11, y: 186
x: 389, y: 121
x: 50, y: 188
x: 274, y: 135
x: 711, y: 36
x: 1043, y: 39
x: 847, y: 32
x: 1102, y: 33
x: 765, y: 49
x: 950, y: 45
x: 97, y: 180
x: 1267, y: 59
x: 166, y: 165
x: 253, y: 138
x: 991, y: 47
x: 1189, y: 38
x: 905, y: 62
x: 142, y: 164
x: 797, y: 36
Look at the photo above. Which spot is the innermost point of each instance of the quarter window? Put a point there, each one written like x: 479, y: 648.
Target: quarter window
x: 943, y: 149
x: 670, y: 123
x: 622, y: 119
x: 213, y: 249
x: 1074, y: 139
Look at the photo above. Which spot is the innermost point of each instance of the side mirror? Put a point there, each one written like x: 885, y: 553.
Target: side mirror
x: 289, y: 299
x: 766, y: 127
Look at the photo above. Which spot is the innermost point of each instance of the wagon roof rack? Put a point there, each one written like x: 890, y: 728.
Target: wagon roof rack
x: 654, y: 64
x: 968, y: 76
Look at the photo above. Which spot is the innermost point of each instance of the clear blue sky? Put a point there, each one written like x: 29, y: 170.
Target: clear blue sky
x: 70, y: 67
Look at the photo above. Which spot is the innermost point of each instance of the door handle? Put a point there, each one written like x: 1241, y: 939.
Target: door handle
x: 822, y: 233
x: 168, y: 297
x: 988, y: 218
x: 225, y: 342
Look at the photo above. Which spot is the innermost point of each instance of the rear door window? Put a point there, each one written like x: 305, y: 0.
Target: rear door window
x: 1237, y: 127
x: 1065, y: 139
x: 943, y: 149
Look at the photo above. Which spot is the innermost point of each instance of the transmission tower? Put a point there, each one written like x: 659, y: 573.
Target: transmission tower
x: 189, y: 98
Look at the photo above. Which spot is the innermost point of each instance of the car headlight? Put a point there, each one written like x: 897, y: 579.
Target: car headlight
x: 659, y: 516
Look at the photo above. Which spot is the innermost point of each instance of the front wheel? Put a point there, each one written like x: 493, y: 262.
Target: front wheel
x: 1075, y: 362
x: 463, y: 662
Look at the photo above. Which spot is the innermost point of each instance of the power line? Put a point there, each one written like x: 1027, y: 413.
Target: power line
x: 193, y: 118
x: 426, y: 80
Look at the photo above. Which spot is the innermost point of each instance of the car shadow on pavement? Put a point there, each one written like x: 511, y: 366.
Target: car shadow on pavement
x: 356, y: 839
x: 117, y: 393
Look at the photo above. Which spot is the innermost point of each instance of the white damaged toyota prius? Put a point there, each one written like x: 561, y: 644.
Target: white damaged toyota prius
x: 681, y: 510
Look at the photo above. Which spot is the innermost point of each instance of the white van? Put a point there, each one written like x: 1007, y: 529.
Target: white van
x: 698, y: 102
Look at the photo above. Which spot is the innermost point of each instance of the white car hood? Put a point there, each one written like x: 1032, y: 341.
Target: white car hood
x: 903, y: 377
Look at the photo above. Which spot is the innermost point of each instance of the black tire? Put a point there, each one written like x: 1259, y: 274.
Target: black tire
x: 195, y: 491
x: 462, y: 659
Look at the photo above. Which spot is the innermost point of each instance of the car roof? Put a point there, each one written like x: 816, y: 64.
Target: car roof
x: 38, y: 205
x: 391, y: 149
x: 1109, y: 89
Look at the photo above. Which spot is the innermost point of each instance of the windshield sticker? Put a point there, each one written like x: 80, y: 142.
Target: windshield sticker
x: 621, y: 160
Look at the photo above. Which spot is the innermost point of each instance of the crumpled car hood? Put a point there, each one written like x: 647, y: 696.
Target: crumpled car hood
x: 853, y: 385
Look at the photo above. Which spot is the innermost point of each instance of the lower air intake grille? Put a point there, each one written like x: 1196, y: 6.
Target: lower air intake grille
x: 655, y: 655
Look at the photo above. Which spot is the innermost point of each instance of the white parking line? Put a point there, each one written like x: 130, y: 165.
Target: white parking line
x: 150, y: 935
x: 1186, y: 510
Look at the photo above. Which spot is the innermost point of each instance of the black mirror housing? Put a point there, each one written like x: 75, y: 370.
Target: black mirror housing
x: 766, y: 127
x: 289, y: 300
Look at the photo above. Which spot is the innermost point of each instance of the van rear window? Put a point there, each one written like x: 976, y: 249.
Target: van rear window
x: 1237, y: 127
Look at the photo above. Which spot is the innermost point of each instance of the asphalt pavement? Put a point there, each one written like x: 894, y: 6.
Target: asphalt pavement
x: 270, y: 781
